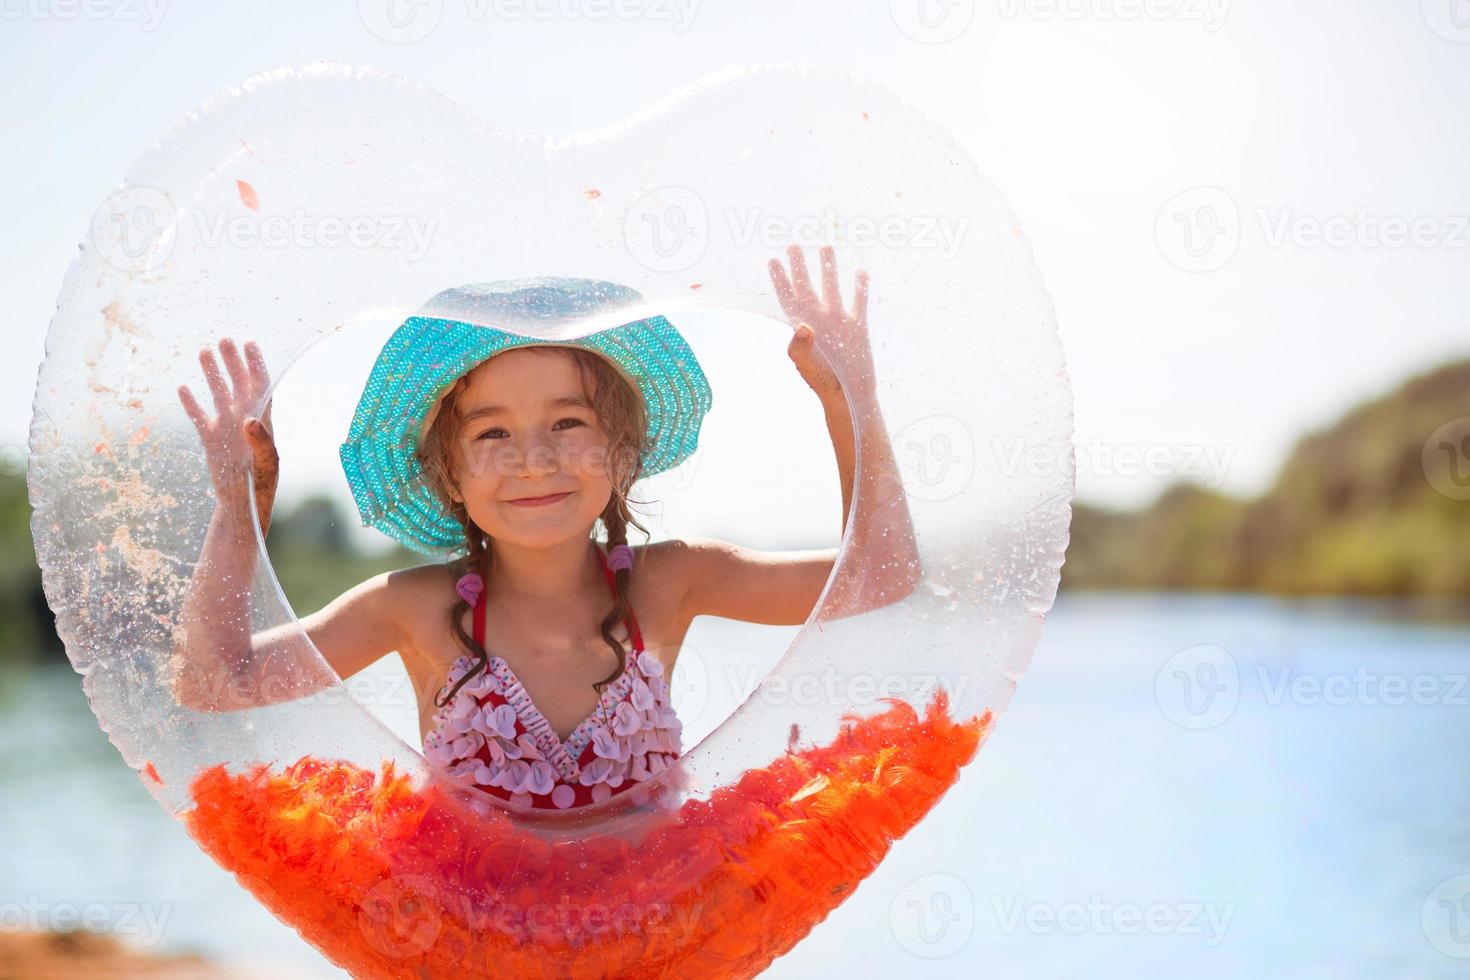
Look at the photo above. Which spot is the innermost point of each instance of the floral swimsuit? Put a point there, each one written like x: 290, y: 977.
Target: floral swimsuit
x: 493, y: 737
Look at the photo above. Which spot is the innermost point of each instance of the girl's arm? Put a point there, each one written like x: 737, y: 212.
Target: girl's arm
x: 883, y: 541
x: 218, y: 663
x: 781, y: 588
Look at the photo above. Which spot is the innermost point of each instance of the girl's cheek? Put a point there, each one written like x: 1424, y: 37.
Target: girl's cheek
x: 588, y: 455
x: 484, y: 459
x: 578, y: 453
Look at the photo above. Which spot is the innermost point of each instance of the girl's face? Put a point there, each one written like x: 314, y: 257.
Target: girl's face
x: 527, y: 430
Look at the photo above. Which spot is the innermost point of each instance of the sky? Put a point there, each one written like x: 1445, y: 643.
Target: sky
x: 1250, y: 215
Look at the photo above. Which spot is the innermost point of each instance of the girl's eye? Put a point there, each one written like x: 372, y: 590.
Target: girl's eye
x: 489, y: 432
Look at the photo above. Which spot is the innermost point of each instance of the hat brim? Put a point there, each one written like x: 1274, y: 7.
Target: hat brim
x: 433, y: 412
x: 426, y: 355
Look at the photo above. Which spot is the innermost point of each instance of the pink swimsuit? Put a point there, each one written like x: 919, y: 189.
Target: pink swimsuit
x: 493, y: 737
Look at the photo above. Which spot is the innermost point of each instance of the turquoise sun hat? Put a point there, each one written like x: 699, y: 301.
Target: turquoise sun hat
x: 451, y: 334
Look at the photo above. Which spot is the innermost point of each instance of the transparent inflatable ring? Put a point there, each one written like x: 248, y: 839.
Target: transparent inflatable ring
x: 336, y: 825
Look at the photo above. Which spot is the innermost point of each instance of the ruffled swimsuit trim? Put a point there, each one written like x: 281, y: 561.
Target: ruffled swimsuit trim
x: 493, y: 736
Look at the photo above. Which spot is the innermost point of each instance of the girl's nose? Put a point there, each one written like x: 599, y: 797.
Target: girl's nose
x: 541, y: 457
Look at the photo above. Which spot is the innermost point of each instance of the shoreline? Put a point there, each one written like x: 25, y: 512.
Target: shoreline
x: 80, y: 954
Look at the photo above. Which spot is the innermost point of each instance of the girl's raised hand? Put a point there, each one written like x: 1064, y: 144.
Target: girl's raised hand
x: 844, y: 333
x: 248, y: 381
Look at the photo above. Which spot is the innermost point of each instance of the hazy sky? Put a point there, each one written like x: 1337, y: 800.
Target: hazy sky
x: 1250, y: 215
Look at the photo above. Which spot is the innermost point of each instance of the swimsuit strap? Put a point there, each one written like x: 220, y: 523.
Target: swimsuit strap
x: 478, y: 618
x: 612, y: 586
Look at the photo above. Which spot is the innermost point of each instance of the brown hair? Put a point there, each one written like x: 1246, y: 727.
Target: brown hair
x: 621, y: 414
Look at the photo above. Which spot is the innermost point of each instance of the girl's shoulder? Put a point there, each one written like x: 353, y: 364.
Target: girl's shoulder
x: 657, y: 566
x: 422, y: 594
x: 432, y: 580
x: 661, y: 571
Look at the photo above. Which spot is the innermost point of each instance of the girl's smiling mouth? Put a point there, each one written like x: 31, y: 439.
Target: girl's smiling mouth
x: 540, y: 501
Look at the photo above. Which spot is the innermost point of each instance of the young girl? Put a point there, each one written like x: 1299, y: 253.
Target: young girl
x: 535, y: 680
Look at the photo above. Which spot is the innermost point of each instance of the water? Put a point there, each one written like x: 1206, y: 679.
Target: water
x: 1204, y: 787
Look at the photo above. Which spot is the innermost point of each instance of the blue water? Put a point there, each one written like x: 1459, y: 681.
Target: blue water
x: 1205, y: 787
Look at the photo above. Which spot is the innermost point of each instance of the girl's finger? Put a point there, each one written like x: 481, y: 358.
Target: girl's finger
x: 784, y: 295
x: 192, y: 409
x: 265, y: 451
x: 806, y: 366
x: 235, y: 366
x: 831, y: 291
x: 217, y: 387
x: 256, y: 361
x: 799, y: 277
x: 264, y: 436
x: 860, y: 297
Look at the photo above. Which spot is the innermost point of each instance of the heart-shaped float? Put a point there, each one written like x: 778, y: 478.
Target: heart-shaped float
x: 312, y: 201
